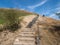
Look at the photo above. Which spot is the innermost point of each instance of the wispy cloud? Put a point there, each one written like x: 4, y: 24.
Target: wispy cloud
x: 37, y: 5
x: 51, y: 11
x: 53, y: 15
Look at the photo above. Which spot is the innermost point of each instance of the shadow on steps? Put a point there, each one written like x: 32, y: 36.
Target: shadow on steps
x: 32, y: 22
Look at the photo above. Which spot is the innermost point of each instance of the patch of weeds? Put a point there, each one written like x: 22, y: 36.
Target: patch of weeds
x: 55, y: 30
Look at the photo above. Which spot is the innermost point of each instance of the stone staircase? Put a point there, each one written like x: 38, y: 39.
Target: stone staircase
x: 26, y: 37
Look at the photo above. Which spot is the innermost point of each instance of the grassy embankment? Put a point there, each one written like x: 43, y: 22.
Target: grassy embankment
x: 10, y: 17
x: 3, y: 13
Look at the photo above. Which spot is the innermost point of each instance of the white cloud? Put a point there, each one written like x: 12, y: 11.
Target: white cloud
x: 22, y: 9
x: 58, y: 8
x: 51, y: 11
x: 37, y: 5
x: 54, y: 16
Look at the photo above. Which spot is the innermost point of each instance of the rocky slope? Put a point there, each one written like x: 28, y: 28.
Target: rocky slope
x: 35, y: 30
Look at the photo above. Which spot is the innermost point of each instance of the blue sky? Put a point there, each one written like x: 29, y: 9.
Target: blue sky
x: 46, y: 7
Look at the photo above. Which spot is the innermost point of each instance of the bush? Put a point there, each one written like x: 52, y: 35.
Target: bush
x: 1, y: 27
x: 11, y: 19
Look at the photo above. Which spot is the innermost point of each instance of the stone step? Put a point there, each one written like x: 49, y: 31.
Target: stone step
x: 24, y: 44
x: 24, y: 41
x: 29, y: 30
x: 17, y: 39
x: 26, y: 35
x: 25, y: 29
x: 25, y: 38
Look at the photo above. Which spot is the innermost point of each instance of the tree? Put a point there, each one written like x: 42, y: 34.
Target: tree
x: 58, y: 14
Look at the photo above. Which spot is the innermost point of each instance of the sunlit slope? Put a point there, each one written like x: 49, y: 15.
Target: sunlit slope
x: 49, y: 31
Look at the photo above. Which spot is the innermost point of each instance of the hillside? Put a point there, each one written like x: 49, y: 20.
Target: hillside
x: 4, y: 12
x: 35, y: 30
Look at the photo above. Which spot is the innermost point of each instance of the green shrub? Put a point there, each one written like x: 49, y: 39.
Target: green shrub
x: 11, y: 19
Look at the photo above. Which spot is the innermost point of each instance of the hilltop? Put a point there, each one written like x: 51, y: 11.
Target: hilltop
x: 47, y: 29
